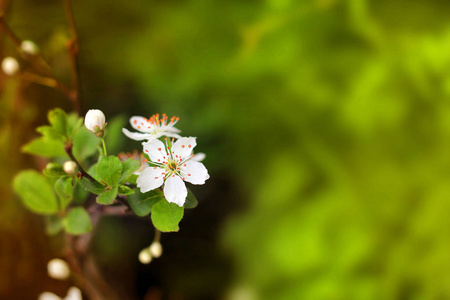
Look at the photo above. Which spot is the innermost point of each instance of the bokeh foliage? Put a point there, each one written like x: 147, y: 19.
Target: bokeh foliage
x: 329, y: 120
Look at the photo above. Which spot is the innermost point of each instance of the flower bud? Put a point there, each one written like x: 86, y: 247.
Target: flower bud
x: 73, y: 293
x: 29, y: 47
x: 156, y: 249
x: 58, y: 269
x: 48, y: 296
x: 70, y: 167
x: 144, y: 256
x: 95, y: 121
x: 10, y: 66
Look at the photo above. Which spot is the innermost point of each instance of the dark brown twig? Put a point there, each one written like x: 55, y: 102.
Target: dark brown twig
x: 68, y: 149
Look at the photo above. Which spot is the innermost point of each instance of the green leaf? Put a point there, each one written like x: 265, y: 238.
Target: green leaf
x: 128, y: 168
x: 45, y: 147
x: 77, y: 221
x: 124, y: 190
x: 166, y: 216
x: 114, y: 137
x: 54, y: 170
x: 142, y: 203
x: 36, y: 192
x: 85, y: 144
x: 53, y: 225
x: 50, y: 133
x: 92, y: 186
x: 132, y: 179
x: 74, y: 123
x: 108, y: 197
x: 64, y: 189
x: 191, y: 200
x: 109, y: 169
x: 58, y: 119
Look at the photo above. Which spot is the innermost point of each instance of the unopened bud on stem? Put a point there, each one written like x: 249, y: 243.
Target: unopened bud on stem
x: 156, y: 249
x: 70, y: 167
x: 58, y: 269
x: 10, y: 66
x: 144, y: 256
x: 29, y: 47
x: 95, y: 121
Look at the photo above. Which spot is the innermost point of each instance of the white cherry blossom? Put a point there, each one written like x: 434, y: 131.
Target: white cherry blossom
x: 152, y: 128
x: 171, y: 164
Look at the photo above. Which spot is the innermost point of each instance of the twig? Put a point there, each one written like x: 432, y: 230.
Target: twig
x: 73, y: 49
x: 68, y: 149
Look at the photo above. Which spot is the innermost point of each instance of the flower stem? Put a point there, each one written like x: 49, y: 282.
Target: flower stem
x: 104, y: 146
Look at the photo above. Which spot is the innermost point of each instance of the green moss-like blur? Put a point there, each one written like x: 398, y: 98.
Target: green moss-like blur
x: 326, y: 126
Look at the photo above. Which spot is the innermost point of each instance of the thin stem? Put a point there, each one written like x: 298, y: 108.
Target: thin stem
x: 157, y: 237
x: 73, y: 48
x: 104, y: 146
x: 68, y: 150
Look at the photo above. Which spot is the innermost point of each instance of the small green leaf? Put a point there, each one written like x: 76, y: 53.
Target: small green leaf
x: 108, y: 196
x: 191, y: 200
x: 64, y: 189
x: 85, y: 143
x: 53, y: 225
x: 142, y: 203
x: 50, y: 132
x: 74, y: 123
x: 128, y: 168
x: 132, y: 179
x: 109, y: 169
x: 58, y: 119
x: 124, y: 190
x: 54, y: 170
x: 166, y: 216
x: 92, y: 186
x: 77, y: 221
x: 45, y: 147
x: 36, y: 192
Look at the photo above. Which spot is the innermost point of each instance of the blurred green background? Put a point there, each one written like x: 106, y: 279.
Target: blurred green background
x: 326, y: 125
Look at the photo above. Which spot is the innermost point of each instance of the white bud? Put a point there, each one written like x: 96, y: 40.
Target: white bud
x: 95, y: 120
x: 156, y: 249
x: 29, y: 47
x: 144, y: 256
x: 74, y: 293
x: 58, y: 269
x: 48, y: 296
x: 10, y: 66
x: 70, y: 167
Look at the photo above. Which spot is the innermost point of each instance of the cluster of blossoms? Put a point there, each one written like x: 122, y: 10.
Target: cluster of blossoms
x: 171, y: 163
x: 59, y: 269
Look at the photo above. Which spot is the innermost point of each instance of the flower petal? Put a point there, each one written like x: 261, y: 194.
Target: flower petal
x: 170, y: 134
x: 138, y: 136
x: 142, y: 124
x: 194, y: 172
x: 172, y: 129
x: 183, y: 147
x: 150, y: 179
x: 175, y: 190
x: 156, y: 150
x: 198, y: 157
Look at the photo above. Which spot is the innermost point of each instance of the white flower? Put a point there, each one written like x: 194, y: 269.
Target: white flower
x: 48, y: 296
x: 95, y: 121
x: 152, y: 128
x: 29, y: 47
x: 70, y: 167
x: 10, y: 66
x: 144, y: 256
x: 58, y: 269
x: 156, y: 249
x: 172, y: 165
